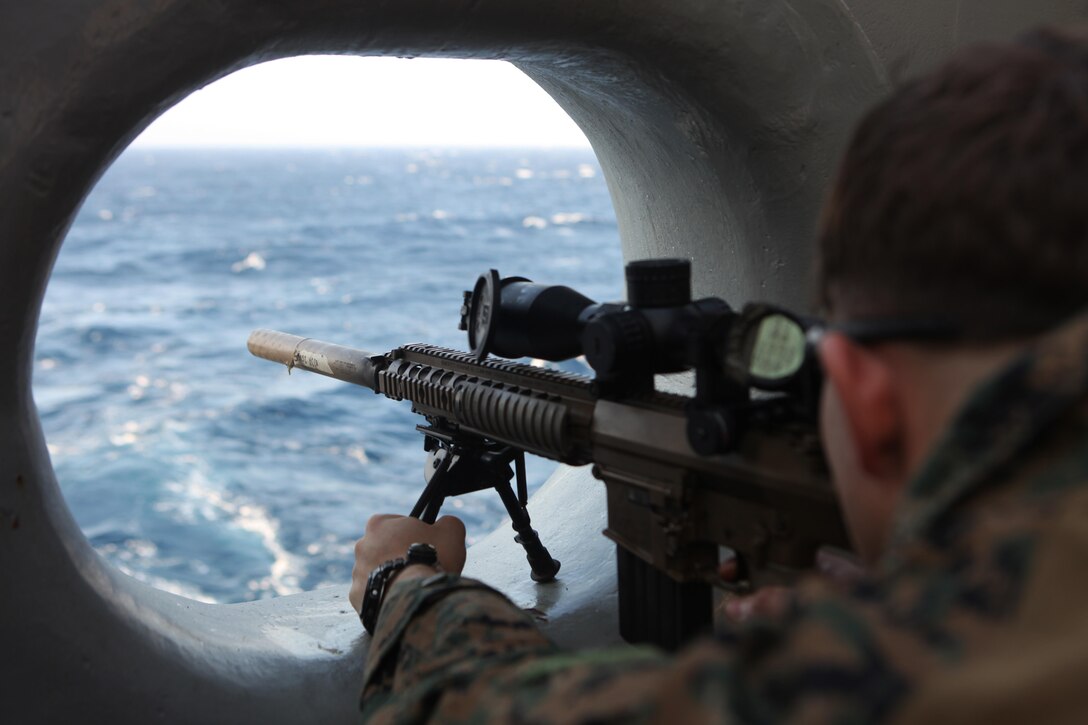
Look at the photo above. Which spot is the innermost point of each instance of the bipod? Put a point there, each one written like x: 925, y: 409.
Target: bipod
x: 455, y: 467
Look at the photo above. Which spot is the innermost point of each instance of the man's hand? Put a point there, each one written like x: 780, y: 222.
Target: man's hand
x: 773, y: 601
x: 388, y: 536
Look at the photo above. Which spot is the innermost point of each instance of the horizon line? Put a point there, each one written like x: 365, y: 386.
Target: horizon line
x: 213, y: 146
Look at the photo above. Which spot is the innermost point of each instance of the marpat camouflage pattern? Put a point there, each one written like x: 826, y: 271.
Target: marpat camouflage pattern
x: 977, y: 613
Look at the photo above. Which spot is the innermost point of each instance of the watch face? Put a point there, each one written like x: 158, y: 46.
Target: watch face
x: 422, y: 554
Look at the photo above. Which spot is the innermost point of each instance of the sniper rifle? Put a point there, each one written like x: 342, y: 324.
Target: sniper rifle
x: 735, y: 466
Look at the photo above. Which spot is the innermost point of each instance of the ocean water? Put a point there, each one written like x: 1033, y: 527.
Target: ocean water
x: 205, y: 471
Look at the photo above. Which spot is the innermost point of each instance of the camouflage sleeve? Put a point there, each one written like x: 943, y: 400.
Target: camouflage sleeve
x: 450, y: 649
x: 436, y: 627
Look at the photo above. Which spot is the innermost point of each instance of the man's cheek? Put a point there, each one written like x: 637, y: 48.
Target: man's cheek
x: 834, y: 433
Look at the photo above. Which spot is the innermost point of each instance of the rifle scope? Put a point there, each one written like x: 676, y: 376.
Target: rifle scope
x: 650, y: 333
x: 659, y: 329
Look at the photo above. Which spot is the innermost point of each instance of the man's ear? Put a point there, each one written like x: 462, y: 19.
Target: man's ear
x: 866, y: 386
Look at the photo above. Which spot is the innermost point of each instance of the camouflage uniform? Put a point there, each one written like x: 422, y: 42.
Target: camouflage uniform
x: 979, y: 611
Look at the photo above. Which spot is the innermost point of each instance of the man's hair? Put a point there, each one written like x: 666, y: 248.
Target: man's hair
x: 964, y: 196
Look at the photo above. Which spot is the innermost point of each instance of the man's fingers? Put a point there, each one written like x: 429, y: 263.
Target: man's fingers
x: 768, y: 602
x: 451, y: 525
x: 355, y: 594
x: 389, y: 535
x: 729, y: 570
x: 450, y: 539
x: 739, y: 609
x: 774, y: 601
x: 375, y: 522
x: 839, y: 566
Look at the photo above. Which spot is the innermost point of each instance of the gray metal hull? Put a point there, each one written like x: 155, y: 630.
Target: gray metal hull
x: 717, y: 125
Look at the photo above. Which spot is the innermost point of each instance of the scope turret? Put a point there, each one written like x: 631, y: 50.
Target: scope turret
x: 658, y: 283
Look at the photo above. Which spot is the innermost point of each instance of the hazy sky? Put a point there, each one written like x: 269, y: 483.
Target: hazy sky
x: 350, y: 101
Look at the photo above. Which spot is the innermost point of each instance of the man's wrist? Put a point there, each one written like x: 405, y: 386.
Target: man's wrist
x: 412, y: 571
x: 420, y: 561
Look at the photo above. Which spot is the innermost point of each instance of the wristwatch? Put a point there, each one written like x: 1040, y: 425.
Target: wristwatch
x: 379, y: 580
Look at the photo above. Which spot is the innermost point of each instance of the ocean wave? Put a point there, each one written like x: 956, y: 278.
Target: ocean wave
x: 203, y: 471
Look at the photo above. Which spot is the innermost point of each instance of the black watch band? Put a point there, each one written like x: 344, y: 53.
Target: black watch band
x: 378, y: 581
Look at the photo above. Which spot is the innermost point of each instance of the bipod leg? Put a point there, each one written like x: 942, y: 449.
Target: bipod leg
x: 523, y: 489
x: 543, y: 565
x: 430, y: 514
x: 438, y: 466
